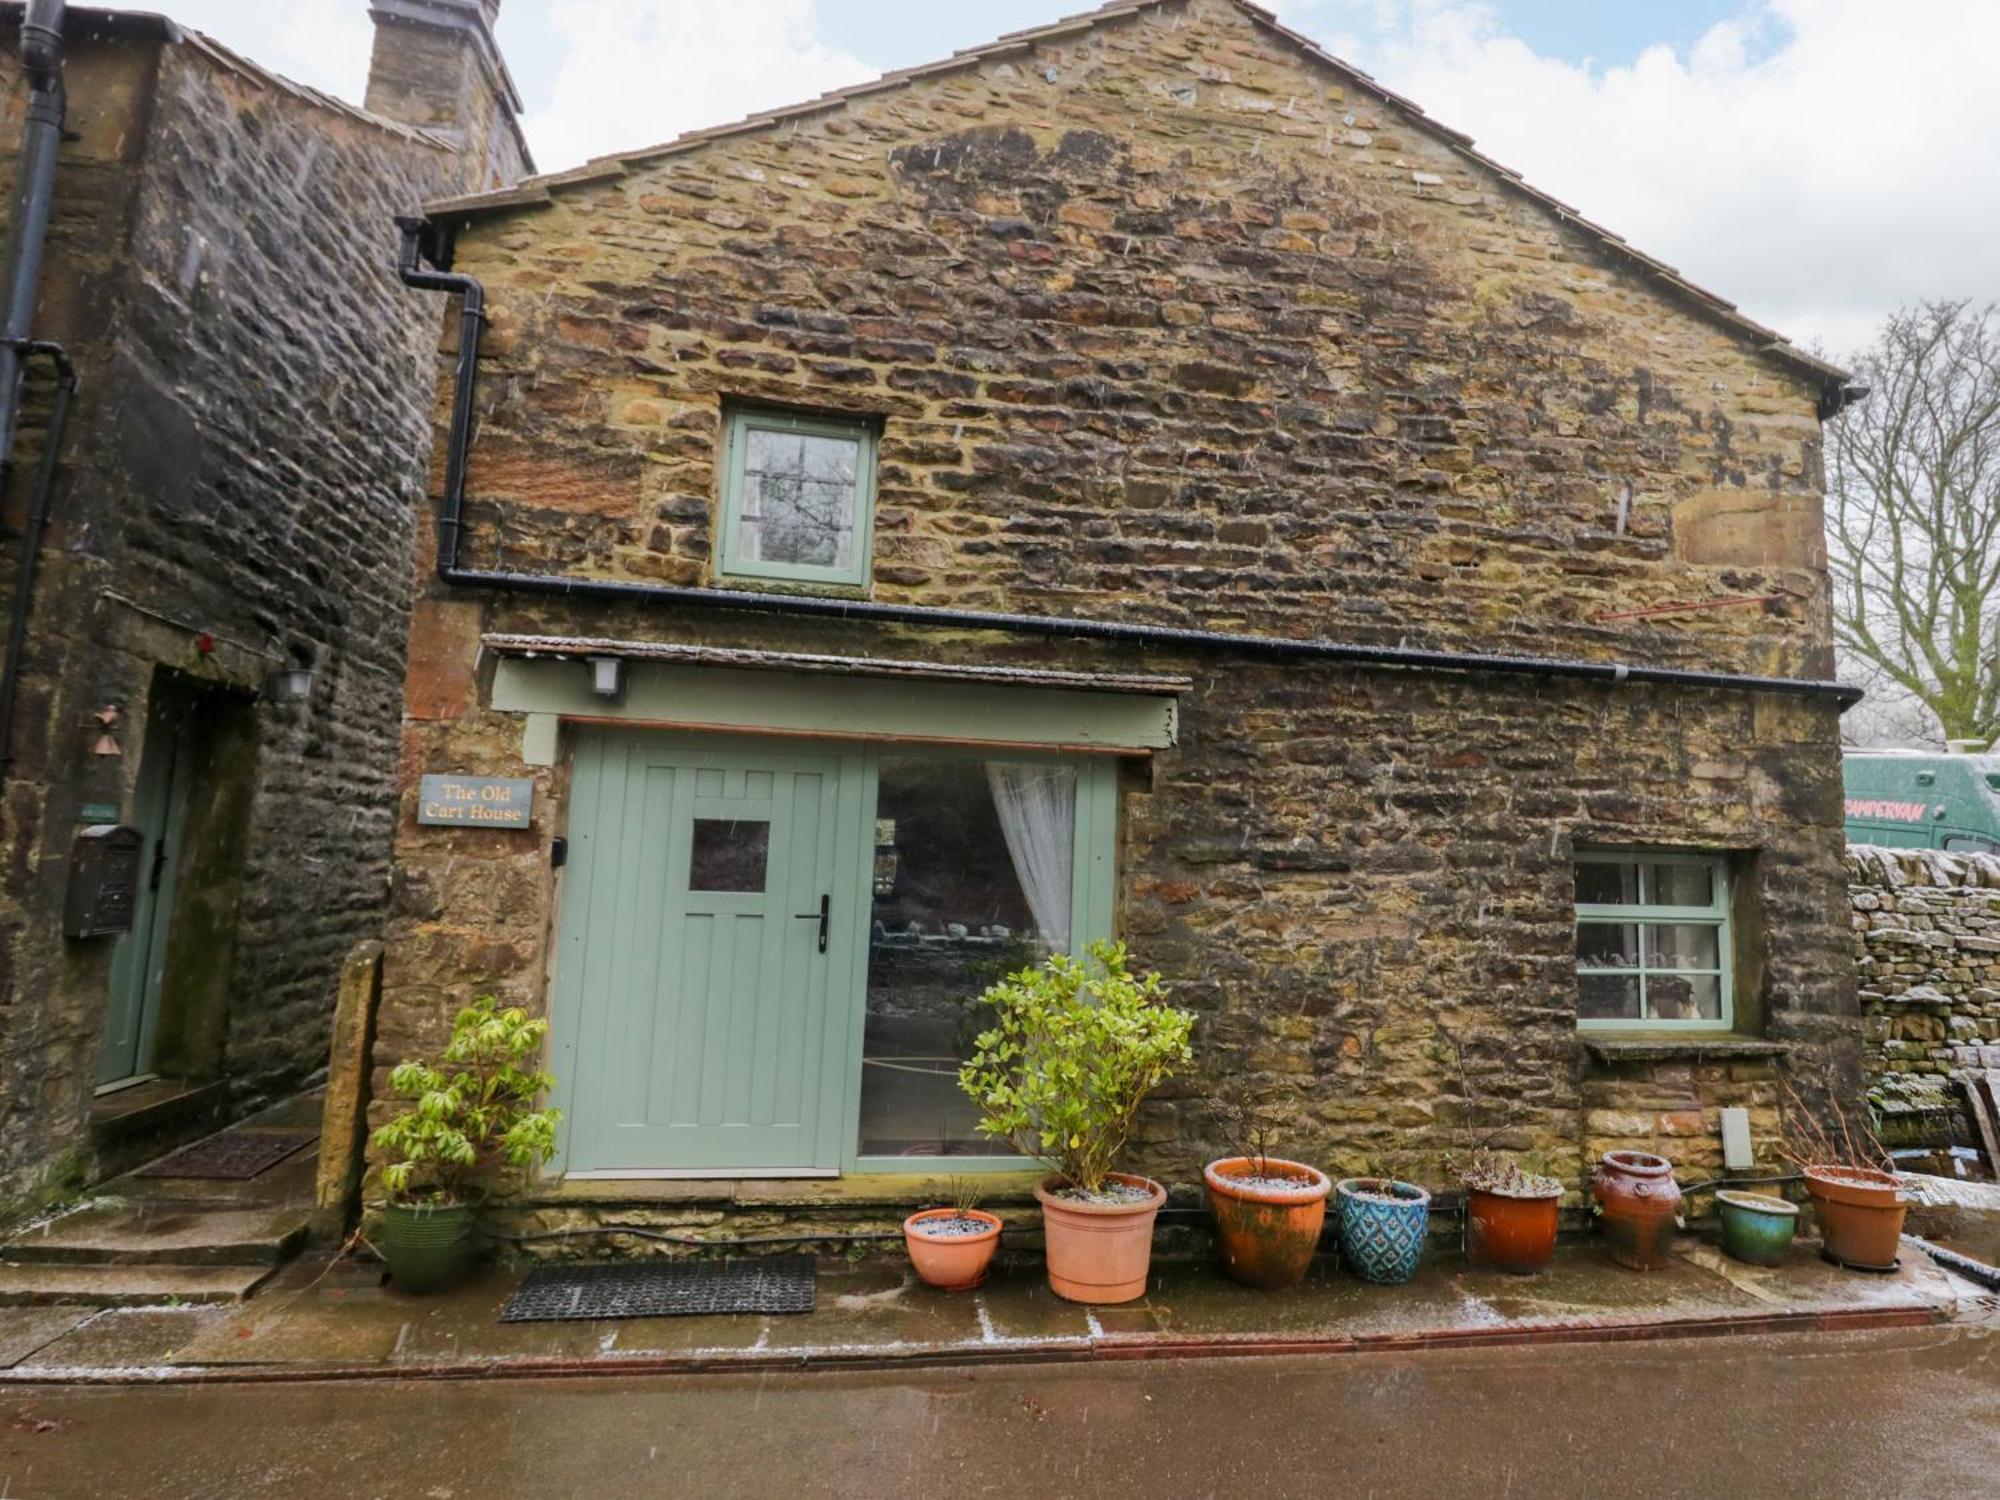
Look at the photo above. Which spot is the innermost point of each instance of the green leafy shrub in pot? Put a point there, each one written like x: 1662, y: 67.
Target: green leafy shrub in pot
x: 469, y: 1119
x: 1075, y: 1048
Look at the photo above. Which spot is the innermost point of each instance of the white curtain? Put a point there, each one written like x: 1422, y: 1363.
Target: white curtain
x: 1037, y: 807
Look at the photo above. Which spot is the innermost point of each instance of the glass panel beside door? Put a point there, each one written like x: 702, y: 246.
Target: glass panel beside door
x: 974, y: 878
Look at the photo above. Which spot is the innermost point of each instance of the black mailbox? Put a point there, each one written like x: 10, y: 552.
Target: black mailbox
x: 103, y: 881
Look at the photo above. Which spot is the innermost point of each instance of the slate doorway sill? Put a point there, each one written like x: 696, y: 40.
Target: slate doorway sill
x: 1642, y: 1048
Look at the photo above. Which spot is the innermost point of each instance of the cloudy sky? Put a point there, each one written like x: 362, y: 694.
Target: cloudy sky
x: 1817, y: 161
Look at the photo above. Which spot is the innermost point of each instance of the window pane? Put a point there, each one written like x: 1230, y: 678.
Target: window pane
x: 729, y: 854
x: 973, y: 870
x: 1681, y: 945
x: 1607, y: 945
x: 1601, y: 884
x: 1607, y: 997
x: 1683, y: 997
x: 1680, y: 885
x: 798, y: 501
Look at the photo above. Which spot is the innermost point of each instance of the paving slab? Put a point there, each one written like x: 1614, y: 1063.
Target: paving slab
x: 310, y: 1327
x: 160, y: 1233
x: 124, y: 1338
x: 23, y: 1330
x: 126, y: 1286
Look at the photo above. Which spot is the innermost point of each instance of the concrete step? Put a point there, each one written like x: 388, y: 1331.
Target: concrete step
x: 164, y: 1234
x: 126, y: 1286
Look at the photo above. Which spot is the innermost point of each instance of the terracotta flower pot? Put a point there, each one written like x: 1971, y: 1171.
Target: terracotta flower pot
x: 1860, y: 1214
x: 1639, y: 1199
x: 1099, y: 1252
x: 1511, y: 1232
x: 954, y: 1262
x: 1267, y: 1234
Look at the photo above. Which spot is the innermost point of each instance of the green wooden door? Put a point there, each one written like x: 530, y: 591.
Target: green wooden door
x: 139, y: 962
x: 702, y: 1004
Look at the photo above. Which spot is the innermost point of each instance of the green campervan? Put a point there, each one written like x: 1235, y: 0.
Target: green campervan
x: 1914, y: 799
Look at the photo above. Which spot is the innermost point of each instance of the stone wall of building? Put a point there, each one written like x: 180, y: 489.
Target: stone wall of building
x: 1927, y: 950
x: 239, y: 495
x: 1165, y: 322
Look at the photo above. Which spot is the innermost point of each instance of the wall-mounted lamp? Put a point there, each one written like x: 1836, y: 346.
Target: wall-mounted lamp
x: 107, y: 719
x: 607, y: 677
x: 293, y: 685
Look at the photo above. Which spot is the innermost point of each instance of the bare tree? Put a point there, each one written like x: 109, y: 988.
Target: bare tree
x: 1913, y: 523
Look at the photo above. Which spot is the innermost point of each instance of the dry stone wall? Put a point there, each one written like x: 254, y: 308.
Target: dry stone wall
x: 1927, y: 951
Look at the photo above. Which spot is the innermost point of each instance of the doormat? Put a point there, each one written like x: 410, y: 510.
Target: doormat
x: 234, y: 1156
x: 664, y: 1289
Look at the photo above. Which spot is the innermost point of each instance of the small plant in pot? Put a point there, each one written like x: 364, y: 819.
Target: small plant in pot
x: 1856, y: 1192
x: 468, y: 1119
x: 1268, y: 1211
x: 1075, y: 1048
x: 1381, y: 1222
x: 952, y: 1248
x: 1511, y: 1213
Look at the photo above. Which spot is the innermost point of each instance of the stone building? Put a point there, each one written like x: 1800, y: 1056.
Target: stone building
x: 214, y: 644
x: 1139, y: 478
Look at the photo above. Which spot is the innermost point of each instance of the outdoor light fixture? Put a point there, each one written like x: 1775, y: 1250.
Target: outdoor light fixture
x: 293, y: 685
x: 607, y: 677
x: 107, y: 720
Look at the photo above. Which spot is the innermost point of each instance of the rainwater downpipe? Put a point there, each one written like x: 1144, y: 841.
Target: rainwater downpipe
x: 420, y: 243
x: 20, y: 280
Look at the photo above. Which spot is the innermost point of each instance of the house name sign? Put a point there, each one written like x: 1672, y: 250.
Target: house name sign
x: 475, y: 801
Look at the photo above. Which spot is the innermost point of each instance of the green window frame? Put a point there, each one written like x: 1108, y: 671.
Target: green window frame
x: 1649, y: 917
x: 739, y: 556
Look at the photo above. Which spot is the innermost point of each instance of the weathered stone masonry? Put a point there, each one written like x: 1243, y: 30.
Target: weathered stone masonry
x: 244, y: 465
x: 1166, y: 321
x: 1927, y: 949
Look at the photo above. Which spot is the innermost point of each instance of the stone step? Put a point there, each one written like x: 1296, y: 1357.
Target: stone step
x: 166, y: 1234
x: 126, y: 1286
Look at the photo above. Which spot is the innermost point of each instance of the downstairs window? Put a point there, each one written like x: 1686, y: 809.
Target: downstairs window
x: 1652, y: 942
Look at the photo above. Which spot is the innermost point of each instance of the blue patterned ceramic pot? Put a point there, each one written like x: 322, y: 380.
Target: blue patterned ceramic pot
x: 1381, y: 1224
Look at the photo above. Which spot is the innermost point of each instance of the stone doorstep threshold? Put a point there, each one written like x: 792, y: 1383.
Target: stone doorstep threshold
x: 1030, y: 1351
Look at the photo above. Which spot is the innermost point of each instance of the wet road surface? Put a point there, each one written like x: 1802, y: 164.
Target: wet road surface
x: 1914, y: 1412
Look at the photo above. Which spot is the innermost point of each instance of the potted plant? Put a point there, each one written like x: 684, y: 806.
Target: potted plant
x: 1511, y: 1214
x: 1856, y: 1193
x: 1381, y: 1223
x: 470, y: 1116
x: 1075, y: 1049
x: 952, y: 1248
x: 1268, y: 1211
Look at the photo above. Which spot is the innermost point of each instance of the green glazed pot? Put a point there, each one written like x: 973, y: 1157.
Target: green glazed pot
x: 427, y: 1247
x: 1756, y: 1227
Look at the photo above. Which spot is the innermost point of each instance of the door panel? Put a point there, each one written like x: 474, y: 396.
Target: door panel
x: 697, y: 1006
x: 138, y: 963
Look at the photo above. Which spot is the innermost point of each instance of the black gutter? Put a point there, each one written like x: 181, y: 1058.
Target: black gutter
x: 420, y: 242
x: 31, y: 540
x: 27, y: 233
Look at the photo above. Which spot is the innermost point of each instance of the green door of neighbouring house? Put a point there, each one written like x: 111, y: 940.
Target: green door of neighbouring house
x: 139, y: 962
x: 704, y: 990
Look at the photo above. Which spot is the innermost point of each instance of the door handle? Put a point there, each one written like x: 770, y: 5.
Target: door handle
x: 824, y: 916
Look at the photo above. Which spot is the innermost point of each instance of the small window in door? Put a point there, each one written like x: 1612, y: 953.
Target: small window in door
x: 729, y: 854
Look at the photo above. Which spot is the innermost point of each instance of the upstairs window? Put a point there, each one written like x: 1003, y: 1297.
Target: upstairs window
x: 1652, y: 942
x: 798, y: 497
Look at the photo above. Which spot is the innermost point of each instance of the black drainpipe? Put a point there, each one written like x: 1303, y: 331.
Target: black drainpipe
x: 419, y: 243
x: 27, y: 232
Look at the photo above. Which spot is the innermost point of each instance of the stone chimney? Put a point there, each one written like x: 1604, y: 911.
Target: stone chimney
x: 436, y: 65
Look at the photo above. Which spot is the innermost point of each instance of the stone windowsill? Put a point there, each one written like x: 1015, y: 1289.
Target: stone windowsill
x: 1640, y: 1047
